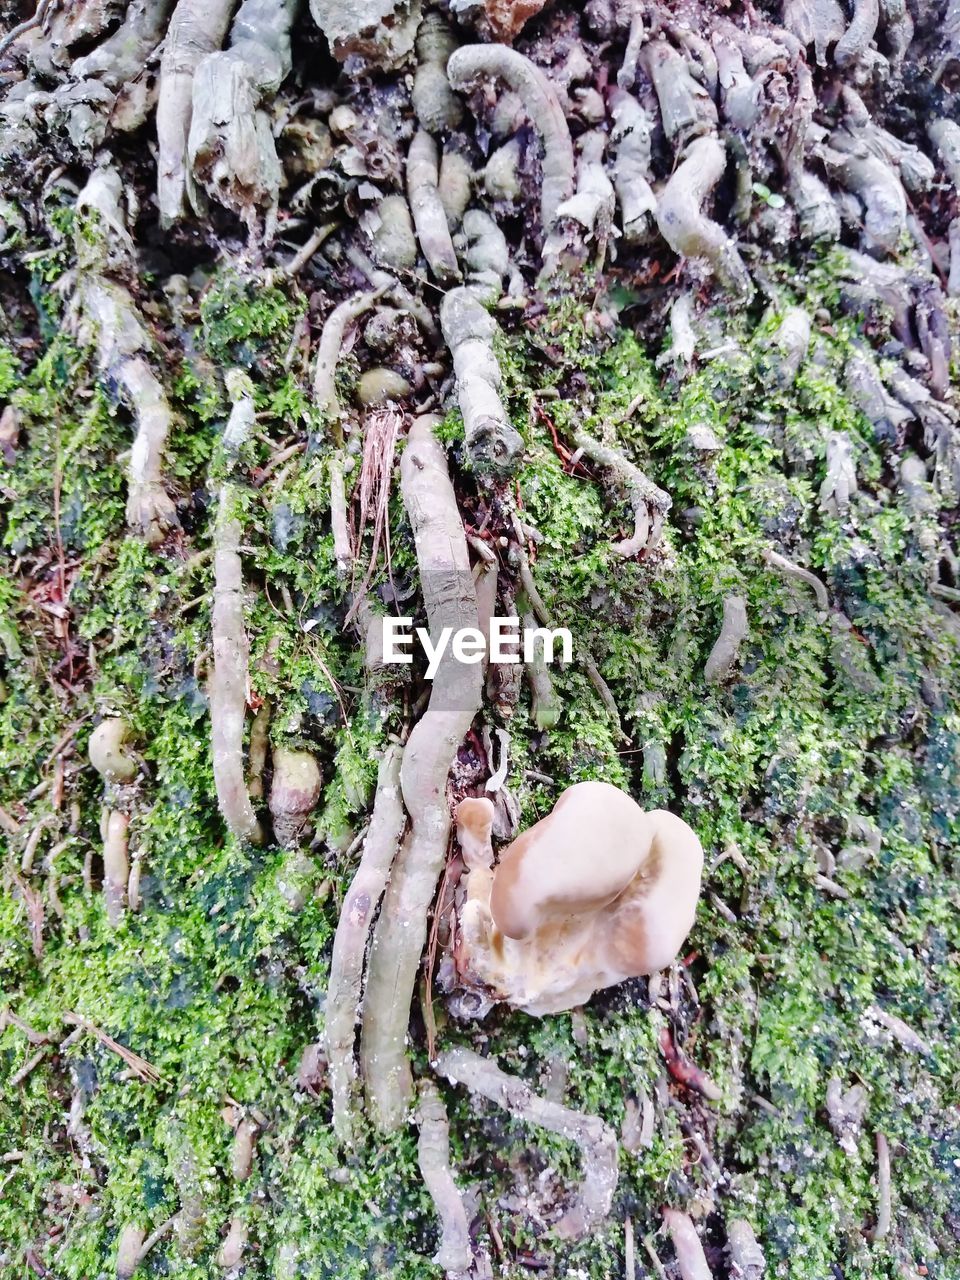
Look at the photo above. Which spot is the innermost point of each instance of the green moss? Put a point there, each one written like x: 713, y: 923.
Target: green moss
x: 219, y: 981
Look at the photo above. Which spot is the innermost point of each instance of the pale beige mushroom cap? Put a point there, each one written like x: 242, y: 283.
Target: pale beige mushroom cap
x: 474, y: 818
x: 579, y: 858
x: 598, y: 854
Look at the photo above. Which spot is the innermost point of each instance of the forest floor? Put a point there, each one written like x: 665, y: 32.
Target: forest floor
x: 818, y: 996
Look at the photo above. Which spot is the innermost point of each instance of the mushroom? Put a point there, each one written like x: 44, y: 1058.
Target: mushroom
x: 596, y: 892
x: 474, y: 829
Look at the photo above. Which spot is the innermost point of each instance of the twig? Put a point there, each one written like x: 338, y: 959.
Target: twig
x: 139, y: 1066
x: 654, y: 1256
x: 154, y: 1236
x: 29, y: 24
x: 28, y: 1066
x: 899, y: 1030
x: 791, y: 570
x: 882, y: 1228
x: 8, y: 823
x: 306, y: 252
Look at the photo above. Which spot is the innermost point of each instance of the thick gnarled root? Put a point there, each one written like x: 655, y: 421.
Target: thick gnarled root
x: 230, y: 146
x: 429, y: 218
x: 196, y: 30
x: 455, y: 695
x: 541, y: 105
x: 469, y: 329
x: 684, y: 225
x: 596, y: 1140
x: 108, y: 315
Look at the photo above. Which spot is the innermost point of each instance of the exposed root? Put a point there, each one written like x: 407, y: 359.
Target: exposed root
x: 468, y: 330
x: 796, y: 571
x: 691, y: 1260
x: 229, y: 678
x: 686, y: 108
x: 630, y: 138
x: 596, y: 1140
x: 840, y: 483
x: 455, y: 696
x: 884, y: 1211
x: 545, y: 704
x: 726, y: 649
x: 682, y: 222
x: 650, y: 503
x: 197, y: 29
x: 433, y: 1155
x: 588, y: 212
x: 746, y: 1257
x: 328, y: 354
x: 853, y: 44
x: 350, y: 941
x: 393, y: 238
x: 790, y: 341
x: 107, y: 308
x: 542, y: 107
x: 846, y: 1111
x: 429, y: 217
x: 230, y: 145
x: 437, y: 107
x: 116, y: 864
x: 850, y: 160
x: 118, y: 769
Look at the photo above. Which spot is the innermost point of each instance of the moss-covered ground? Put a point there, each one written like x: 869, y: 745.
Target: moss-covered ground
x: 833, y: 724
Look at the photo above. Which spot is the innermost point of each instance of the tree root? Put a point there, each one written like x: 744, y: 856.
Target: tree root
x: 436, y: 106
x: 468, y: 330
x: 691, y: 1260
x: 733, y: 631
x: 121, y: 338
x: 429, y: 218
x: 455, y: 697
x: 230, y: 145
x: 596, y: 1140
x: 543, y: 109
x: 650, y: 503
x: 884, y: 1212
x: 746, y: 1257
x: 630, y: 138
x: 588, y: 212
x: 796, y: 571
x: 853, y: 44
x: 229, y: 678
x: 686, y: 108
x: 197, y: 29
x: 684, y: 226
x: 350, y: 942
x: 545, y: 704
x: 433, y: 1155
x: 335, y: 326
